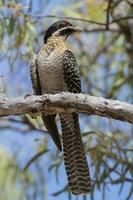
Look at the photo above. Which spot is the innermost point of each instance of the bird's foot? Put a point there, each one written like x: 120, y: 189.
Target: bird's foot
x: 27, y: 95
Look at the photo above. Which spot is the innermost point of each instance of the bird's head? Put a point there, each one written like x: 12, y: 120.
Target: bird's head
x: 62, y: 29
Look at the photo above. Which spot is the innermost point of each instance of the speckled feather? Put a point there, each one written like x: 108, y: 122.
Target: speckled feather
x: 71, y: 72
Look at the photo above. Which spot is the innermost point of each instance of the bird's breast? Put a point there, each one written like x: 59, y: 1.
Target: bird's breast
x: 51, y: 74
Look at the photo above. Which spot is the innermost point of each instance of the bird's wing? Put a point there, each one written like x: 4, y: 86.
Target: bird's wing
x: 72, y: 76
x: 71, y: 72
x: 49, y: 120
x: 34, y: 77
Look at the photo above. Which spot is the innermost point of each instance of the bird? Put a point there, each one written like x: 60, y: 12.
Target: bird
x: 54, y: 69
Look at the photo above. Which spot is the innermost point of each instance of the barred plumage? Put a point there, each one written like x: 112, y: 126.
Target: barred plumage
x: 74, y: 156
x: 56, y: 70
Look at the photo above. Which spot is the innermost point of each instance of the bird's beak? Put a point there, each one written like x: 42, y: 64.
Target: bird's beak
x: 77, y: 29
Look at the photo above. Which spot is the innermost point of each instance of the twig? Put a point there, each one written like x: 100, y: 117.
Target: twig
x: 81, y: 19
x: 34, y: 158
x: 105, y: 25
x: 130, y: 3
x: 121, y: 19
x: 97, y: 30
x: 108, y: 14
x: 105, y: 48
x: 71, y: 18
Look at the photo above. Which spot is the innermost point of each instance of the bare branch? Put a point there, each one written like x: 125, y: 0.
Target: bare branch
x: 121, y: 19
x: 102, y: 27
x: 108, y: 14
x: 67, y: 102
x: 99, y: 30
x: 130, y: 3
x: 38, y: 16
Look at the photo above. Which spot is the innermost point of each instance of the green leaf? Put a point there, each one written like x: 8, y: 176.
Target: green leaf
x: 11, y: 26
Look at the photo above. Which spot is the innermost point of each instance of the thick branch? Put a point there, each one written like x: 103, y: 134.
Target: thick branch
x: 67, y: 102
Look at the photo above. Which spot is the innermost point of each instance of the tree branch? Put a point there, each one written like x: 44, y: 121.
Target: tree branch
x: 108, y: 14
x: 67, y: 102
x: 39, y: 16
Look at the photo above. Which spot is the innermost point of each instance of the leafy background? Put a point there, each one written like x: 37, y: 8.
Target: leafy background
x: 104, y: 52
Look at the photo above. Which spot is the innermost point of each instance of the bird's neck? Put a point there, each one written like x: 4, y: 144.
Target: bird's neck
x: 55, y: 44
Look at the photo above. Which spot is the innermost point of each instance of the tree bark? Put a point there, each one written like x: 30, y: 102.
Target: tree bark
x: 67, y: 102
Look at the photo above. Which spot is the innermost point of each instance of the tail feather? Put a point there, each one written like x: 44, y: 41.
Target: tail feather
x: 50, y: 124
x: 74, y: 155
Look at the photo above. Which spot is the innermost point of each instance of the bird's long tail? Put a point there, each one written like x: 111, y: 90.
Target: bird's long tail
x: 74, y: 156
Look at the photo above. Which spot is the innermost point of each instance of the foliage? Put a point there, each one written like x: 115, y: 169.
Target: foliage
x: 16, y: 184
